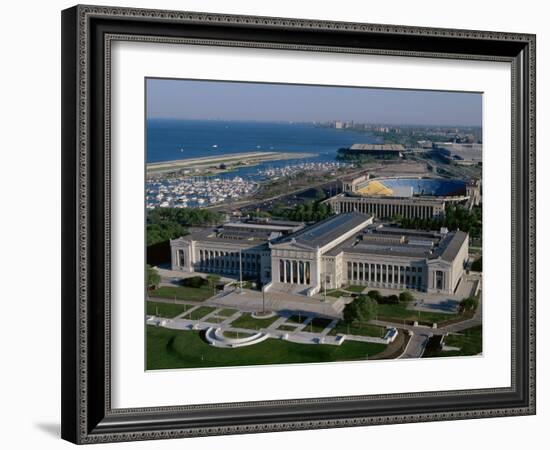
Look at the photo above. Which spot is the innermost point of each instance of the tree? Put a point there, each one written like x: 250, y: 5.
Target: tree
x: 477, y: 265
x: 319, y: 194
x: 170, y: 223
x: 369, y: 308
x: 361, y: 310
x: 406, y: 297
x: 376, y: 295
x: 162, y: 232
x: 153, y: 277
x: 304, y: 212
x: 213, y: 280
x: 456, y: 217
x: 260, y: 214
x: 194, y: 282
x: 350, y: 312
x: 468, y: 304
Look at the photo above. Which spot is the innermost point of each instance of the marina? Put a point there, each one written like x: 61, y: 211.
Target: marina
x: 187, y: 191
x: 309, y: 167
x: 196, y: 192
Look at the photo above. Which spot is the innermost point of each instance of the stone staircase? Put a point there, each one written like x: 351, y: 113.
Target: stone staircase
x: 339, y: 305
x: 289, y: 289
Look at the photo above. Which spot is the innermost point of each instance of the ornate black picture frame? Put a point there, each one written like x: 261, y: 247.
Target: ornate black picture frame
x: 87, y: 34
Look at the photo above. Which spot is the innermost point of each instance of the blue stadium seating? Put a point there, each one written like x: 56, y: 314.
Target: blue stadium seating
x: 437, y: 187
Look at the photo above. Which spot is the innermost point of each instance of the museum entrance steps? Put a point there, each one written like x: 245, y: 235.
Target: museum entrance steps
x: 289, y: 289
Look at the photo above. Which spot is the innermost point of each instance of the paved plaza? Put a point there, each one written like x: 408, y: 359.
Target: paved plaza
x: 228, y: 306
x: 284, y: 326
x: 249, y: 300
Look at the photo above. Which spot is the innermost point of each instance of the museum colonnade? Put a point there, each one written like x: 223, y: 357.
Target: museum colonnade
x: 228, y: 262
x: 389, y: 274
x: 294, y: 271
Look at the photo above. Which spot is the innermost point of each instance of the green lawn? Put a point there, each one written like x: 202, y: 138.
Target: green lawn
x: 355, y: 288
x: 247, y: 321
x: 286, y: 328
x: 337, y: 293
x: 399, y: 312
x: 317, y: 325
x: 165, y: 309
x: 248, y: 285
x: 297, y: 318
x: 469, y: 341
x: 183, y: 293
x: 213, y: 319
x: 168, y: 349
x: 226, y: 312
x: 199, y: 313
x: 358, y: 330
x: 235, y: 334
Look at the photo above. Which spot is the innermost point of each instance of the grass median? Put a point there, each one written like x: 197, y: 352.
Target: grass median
x: 399, y: 312
x: 469, y: 343
x: 249, y: 322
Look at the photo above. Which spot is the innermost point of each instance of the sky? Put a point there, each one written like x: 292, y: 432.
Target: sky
x: 220, y: 100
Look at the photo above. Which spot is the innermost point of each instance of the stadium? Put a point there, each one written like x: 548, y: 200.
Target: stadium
x: 423, y: 198
x: 409, y: 187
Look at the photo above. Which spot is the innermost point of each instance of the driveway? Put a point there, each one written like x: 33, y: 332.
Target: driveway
x: 416, y: 345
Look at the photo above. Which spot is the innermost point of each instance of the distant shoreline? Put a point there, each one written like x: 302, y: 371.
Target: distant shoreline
x: 232, y: 159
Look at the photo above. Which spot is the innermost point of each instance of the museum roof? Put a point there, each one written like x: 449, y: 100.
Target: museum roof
x: 451, y: 244
x: 416, y: 245
x: 262, y: 226
x: 324, y: 232
x: 230, y: 236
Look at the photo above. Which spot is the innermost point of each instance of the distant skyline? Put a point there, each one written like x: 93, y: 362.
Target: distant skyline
x: 269, y: 102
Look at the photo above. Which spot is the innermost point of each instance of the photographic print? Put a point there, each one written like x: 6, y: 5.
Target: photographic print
x: 307, y: 224
x: 298, y: 199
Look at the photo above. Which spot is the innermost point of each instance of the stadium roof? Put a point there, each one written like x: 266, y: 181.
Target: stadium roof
x: 378, y: 147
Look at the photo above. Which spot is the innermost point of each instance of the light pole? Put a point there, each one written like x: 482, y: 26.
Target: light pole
x: 325, y: 287
x: 241, y: 271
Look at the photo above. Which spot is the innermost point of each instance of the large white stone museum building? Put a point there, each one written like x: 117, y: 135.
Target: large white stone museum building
x: 347, y: 248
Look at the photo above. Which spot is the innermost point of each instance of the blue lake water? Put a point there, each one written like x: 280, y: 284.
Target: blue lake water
x: 180, y: 139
